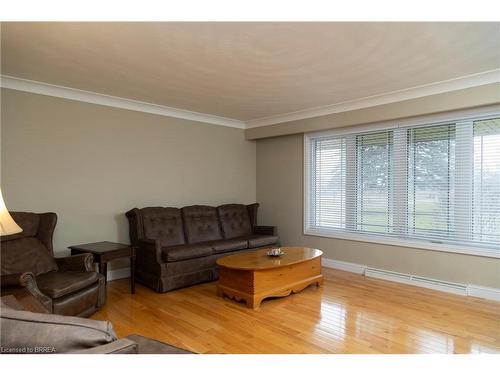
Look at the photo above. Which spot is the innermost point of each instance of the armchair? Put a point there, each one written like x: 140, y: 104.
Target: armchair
x: 28, y: 332
x: 66, y: 286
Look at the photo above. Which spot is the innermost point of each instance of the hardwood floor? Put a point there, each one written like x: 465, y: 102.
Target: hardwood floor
x: 348, y: 314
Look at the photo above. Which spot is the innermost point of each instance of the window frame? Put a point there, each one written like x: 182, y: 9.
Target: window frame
x: 457, y: 117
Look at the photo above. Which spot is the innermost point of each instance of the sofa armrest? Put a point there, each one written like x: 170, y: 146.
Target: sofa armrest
x: 264, y: 229
x: 80, y: 262
x: 149, y: 251
x: 122, y: 346
x: 252, y: 213
x: 28, y: 280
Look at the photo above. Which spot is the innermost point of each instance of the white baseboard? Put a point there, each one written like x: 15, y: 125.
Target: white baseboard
x: 119, y: 273
x: 344, y: 266
x: 483, y: 292
x: 424, y: 282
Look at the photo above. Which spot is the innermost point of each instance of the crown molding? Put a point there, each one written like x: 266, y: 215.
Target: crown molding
x: 473, y: 80
x: 43, y: 88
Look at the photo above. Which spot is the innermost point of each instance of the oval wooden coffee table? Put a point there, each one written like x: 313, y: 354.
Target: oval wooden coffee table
x: 253, y: 276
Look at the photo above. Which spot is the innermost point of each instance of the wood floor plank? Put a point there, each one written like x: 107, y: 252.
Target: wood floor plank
x: 348, y: 314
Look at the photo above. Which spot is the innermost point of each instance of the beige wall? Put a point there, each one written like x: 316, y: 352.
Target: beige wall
x: 280, y: 192
x: 91, y: 164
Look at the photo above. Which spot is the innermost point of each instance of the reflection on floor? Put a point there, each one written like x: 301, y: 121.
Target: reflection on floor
x: 349, y: 314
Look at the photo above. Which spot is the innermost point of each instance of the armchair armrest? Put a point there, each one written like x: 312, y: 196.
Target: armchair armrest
x: 149, y: 251
x: 13, y: 280
x: 122, y: 346
x: 264, y: 229
x: 28, y: 280
x: 80, y: 262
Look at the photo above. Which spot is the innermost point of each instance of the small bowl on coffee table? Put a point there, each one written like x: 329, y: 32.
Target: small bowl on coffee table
x: 275, y: 252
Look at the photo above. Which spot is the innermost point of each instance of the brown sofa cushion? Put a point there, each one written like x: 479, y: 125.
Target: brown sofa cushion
x: 184, y: 252
x: 258, y: 240
x: 26, y: 254
x: 58, y: 284
x: 24, y: 329
x: 163, y: 224
x: 224, y: 246
x: 235, y: 221
x: 201, y: 224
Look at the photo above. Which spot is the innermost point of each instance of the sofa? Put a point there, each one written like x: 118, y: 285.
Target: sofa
x: 66, y: 285
x: 25, y: 332
x: 178, y: 247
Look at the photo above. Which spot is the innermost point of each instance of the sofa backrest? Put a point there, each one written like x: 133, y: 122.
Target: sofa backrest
x: 31, y: 249
x: 201, y: 224
x: 192, y: 224
x: 163, y: 224
x: 235, y: 220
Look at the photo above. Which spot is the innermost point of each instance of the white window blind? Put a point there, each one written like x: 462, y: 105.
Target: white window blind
x: 426, y: 184
x: 431, y: 181
x: 486, y: 183
x: 374, y: 182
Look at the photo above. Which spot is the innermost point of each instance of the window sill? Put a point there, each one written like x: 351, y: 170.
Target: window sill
x: 443, y: 247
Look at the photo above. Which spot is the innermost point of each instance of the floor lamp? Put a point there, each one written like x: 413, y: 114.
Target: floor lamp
x: 7, y: 223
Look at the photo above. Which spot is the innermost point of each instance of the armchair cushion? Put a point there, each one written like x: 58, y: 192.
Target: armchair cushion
x: 26, y: 254
x: 183, y: 252
x: 259, y: 240
x: 58, y: 284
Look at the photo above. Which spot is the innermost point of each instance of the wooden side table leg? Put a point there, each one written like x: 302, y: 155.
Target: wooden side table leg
x: 132, y: 274
x: 103, y: 269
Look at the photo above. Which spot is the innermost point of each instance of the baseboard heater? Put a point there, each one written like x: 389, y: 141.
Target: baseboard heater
x: 424, y: 282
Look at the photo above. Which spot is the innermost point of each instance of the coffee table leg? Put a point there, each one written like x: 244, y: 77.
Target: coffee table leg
x: 132, y: 274
x: 319, y: 282
x: 253, y: 303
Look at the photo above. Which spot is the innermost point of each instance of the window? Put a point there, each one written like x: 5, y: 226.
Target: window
x: 486, y: 184
x: 329, y: 182
x: 434, y: 186
x: 373, y: 182
x: 431, y: 183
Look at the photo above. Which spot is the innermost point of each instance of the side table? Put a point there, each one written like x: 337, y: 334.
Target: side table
x: 105, y: 252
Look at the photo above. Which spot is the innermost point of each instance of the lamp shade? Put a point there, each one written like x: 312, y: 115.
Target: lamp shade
x: 7, y: 223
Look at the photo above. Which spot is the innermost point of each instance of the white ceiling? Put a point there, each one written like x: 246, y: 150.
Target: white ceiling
x: 247, y: 71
